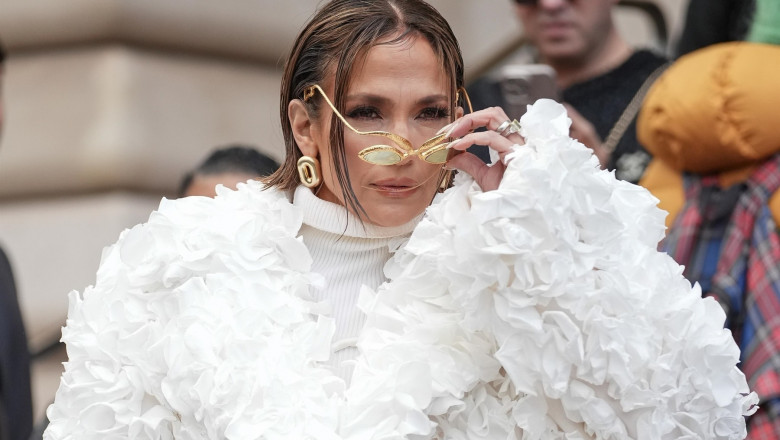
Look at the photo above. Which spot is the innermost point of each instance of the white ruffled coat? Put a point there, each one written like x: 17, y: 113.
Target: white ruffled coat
x: 540, y: 310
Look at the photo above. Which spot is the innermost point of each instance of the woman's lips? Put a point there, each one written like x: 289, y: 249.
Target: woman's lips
x: 395, y: 186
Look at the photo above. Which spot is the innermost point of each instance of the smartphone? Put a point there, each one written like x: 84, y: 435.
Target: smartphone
x: 523, y: 84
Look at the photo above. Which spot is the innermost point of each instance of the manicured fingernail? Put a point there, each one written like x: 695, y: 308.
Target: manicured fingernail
x: 453, y: 143
x: 447, y: 128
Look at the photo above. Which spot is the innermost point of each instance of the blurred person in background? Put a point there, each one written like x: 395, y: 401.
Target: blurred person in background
x: 601, y: 78
x: 228, y: 166
x: 714, y: 21
x: 710, y: 122
x: 15, y: 394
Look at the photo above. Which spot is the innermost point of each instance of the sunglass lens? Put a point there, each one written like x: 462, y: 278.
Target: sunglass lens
x: 384, y: 155
x: 437, y: 155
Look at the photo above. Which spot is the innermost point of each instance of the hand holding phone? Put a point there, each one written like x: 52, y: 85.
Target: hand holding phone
x: 523, y: 84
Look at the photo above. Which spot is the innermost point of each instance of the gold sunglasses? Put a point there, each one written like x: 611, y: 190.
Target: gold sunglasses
x: 433, y: 151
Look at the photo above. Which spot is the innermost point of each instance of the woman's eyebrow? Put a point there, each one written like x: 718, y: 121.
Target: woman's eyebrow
x: 374, y: 99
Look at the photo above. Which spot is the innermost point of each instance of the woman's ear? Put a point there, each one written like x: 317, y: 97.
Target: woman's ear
x: 459, y: 112
x: 303, y: 128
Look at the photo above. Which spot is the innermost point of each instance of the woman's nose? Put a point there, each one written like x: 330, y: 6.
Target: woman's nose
x: 403, y: 129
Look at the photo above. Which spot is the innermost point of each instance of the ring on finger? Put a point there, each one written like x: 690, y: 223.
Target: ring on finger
x: 508, y: 127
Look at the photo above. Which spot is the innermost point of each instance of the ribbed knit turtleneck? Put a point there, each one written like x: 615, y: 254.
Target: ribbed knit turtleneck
x: 350, y: 255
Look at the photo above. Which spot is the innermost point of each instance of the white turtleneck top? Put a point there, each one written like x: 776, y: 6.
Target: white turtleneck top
x: 349, y: 255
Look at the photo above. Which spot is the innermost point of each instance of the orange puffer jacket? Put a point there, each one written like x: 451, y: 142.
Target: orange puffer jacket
x: 714, y: 112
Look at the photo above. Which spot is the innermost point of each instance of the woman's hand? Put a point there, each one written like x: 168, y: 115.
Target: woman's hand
x: 488, y: 177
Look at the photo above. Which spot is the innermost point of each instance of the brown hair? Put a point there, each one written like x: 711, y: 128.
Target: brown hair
x: 333, y: 41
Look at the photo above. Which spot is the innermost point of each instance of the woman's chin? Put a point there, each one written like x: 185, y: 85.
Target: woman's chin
x: 394, y: 219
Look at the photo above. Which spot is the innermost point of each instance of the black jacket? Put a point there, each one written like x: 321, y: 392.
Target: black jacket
x: 15, y: 396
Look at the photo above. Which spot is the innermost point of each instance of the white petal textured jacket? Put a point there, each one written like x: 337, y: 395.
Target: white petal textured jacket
x: 540, y: 310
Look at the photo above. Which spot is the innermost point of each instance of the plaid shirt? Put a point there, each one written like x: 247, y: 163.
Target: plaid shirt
x: 729, y: 242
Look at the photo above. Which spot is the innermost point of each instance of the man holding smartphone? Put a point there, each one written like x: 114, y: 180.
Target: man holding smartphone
x: 599, y: 76
x: 598, y: 73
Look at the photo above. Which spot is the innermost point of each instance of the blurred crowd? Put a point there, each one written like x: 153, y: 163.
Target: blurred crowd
x: 695, y: 126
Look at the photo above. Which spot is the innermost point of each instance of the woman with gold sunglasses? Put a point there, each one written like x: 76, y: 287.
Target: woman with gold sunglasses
x: 342, y: 298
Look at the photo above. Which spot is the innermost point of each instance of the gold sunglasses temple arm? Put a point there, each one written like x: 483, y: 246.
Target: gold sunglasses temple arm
x: 466, y: 96
x: 308, y: 93
x: 306, y: 96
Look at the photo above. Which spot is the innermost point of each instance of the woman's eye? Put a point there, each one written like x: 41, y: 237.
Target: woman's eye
x: 435, y: 113
x: 363, y: 113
